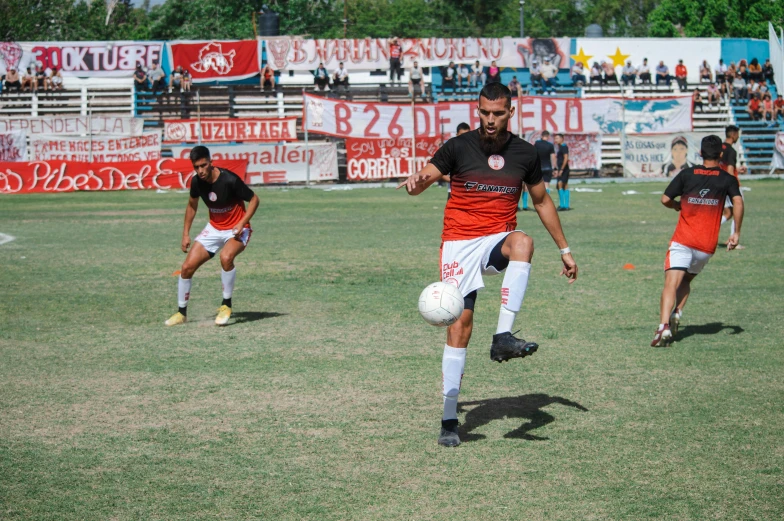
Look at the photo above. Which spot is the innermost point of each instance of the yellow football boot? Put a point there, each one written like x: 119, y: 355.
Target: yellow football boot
x: 224, y: 312
x: 176, y: 319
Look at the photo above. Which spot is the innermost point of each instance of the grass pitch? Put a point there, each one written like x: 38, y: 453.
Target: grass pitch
x: 321, y: 400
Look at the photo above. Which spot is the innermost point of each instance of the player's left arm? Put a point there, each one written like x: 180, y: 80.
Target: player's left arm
x: 549, y: 217
x: 246, y: 194
x: 673, y: 190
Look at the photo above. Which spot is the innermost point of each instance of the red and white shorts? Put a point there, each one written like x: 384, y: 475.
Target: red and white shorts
x: 463, y: 263
x: 680, y: 257
x: 213, y: 239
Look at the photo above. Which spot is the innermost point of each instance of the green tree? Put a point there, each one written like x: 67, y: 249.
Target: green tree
x: 627, y: 18
x: 716, y: 18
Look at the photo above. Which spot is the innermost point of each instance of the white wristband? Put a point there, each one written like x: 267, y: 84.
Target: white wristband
x: 566, y: 250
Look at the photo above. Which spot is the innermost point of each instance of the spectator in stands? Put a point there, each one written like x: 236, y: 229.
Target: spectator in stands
x: 56, y: 80
x: 755, y: 71
x: 12, y: 80
x: 739, y: 89
x: 767, y: 110
x: 729, y: 78
x: 40, y: 77
x: 743, y: 70
x: 549, y: 76
x: 753, y: 89
x: 596, y: 74
x: 609, y: 73
x: 706, y: 76
x: 493, y: 73
x: 578, y: 74
x: 463, y: 76
x: 514, y: 86
x: 175, y: 79
x: 321, y: 77
x: 644, y: 72
x: 157, y: 78
x: 763, y: 87
x: 663, y: 74
x: 340, y: 77
x: 478, y: 76
x: 629, y: 74
x: 696, y: 100
x: 714, y: 96
x: 395, y: 56
x: 680, y: 75
x: 721, y: 71
x: 536, y: 74
x: 415, y: 80
x: 448, y: 74
x: 187, y: 80
x: 140, y: 78
x: 28, y: 81
x: 767, y: 72
x: 267, y: 78
x: 778, y: 108
x: 754, y: 108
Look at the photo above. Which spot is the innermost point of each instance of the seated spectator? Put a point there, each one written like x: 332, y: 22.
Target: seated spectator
x: 706, y: 76
x: 729, y: 77
x: 721, y: 71
x: 187, y: 80
x: 493, y: 73
x: 28, y: 81
x: 743, y: 70
x: 714, y: 96
x: 767, y: 110
x: 696, y: 100
x: 767, y: 72
x: 578, y: 74
x: 340, y: 76
x: 321, y: 77
x: 629, y: 74
x: 463, y: 76
x: 140, y: 78
x: 763, y: 87
x: 175, y: 79
x: 536, y: 74
x: 415, y: 77
x: 778, y: 108
x: 549, y: 76
x: 12, y: 80
x: 609, y: 73
x: 644, y: 72
x: 753, y: 89
x: 680, y: 75
x: 157, y: 78
x: 754, y: 108
x: 596, y: 74
x: 478, y: 76
x: 56, y: 80
x: 755, y: 71
x: 514, y: 86
x: 40, y: 77
x: 663, y: 74
x: 448, y: 74
x: 267, y: 78
x: 739, y: 89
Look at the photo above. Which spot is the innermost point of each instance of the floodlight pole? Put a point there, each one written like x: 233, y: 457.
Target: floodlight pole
x: 90, y: 126
x: 307, y: 146
x: 522, y: 21
x: 413, y: 169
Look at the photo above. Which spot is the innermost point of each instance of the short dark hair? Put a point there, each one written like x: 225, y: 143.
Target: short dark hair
x: 463, y: 126
x: 730, y: 130
x: 494, y: 91
x: 199, y: 152
x: 545, y: 133
x: 710, y: 148
x: 559, y: 135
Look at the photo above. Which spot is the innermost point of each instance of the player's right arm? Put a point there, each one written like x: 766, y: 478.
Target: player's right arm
x: 190, y: 214
x: 737, y: 213
x: 419, y: 182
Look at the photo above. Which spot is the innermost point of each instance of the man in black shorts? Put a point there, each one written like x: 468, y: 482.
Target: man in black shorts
x: 562, y: 172
x: 225, y: 195
x: 729, y: 163
x: 546, y: 152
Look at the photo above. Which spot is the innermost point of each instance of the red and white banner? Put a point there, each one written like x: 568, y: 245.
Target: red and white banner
x: 83, y: 59
x: 68, y: 176
x: 297, y: 54
x: 376, y: 159
x: 230, y: 129
x: 585, y: 150
x: 105, y: 149
x: 13, y: 146
x: 216, y: 60
x: 277, y: 163
x: 74, y: 125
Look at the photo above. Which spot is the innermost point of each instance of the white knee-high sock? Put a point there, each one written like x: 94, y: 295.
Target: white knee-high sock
x: 228, y: 278
x: 723, y: 219
x: 512, y: 293
x: 183, y: 291
x: 452, y: 366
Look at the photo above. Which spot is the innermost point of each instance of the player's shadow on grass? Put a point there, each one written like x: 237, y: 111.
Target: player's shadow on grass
x: 713, y: 328
x: 526, y: 407
x: 252, y: 316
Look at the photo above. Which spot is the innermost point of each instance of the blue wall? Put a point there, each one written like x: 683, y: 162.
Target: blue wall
x: 736, y: 49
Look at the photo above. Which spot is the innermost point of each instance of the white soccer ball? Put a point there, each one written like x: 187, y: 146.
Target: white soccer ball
x: 441, y: 304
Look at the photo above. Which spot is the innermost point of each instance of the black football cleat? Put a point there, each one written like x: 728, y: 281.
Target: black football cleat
x: 506, y: 346
x: 449, y: 436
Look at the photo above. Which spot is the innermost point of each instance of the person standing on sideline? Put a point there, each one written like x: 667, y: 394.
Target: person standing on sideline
x: 225, y: 195
x: 488, y: 167
x: 562, y: 172
x: 702, y: 190
x: 462, y: 128
x: 395, y: 56
x: 546, y: 152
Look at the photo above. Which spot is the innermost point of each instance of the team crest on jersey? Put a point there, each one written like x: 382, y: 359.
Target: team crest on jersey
x: 496, y: 162
x: 212, y: 197
x: 704, y: 192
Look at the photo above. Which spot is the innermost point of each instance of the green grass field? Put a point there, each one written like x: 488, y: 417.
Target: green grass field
x: 321, y: 400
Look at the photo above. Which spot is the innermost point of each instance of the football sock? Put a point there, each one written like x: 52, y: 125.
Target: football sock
x: 525, y: 200
x: 183, y: 311
x: 512, y: 293
x: 561, y: 198
x: 227, y: 278
x: 183, y: 292
x: 723, y: 219
x: 568, y: 197
x: 226, y: 302
x: 452, y: 366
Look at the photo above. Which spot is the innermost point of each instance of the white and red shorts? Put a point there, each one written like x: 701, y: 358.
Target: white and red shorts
x: 463, y: 263
x: 213, y: 239
x: 680, y: 257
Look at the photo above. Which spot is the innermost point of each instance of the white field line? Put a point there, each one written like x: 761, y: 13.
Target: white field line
x: 4, y: 238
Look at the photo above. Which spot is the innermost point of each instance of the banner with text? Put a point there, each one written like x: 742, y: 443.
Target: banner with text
x: 13, y: 146
x: 778, y: 153
x: 585, y: 150
x: 71, y: 176
x: 74, y: 125
x: 662, y: 155
x: 277, y: 163
x: 297, y: 54
x: 216, y: 60
x: 376, y: 159
x: 226, y: 130
x: 105, y: 149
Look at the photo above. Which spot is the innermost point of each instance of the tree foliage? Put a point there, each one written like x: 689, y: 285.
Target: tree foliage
x: 715, y: 18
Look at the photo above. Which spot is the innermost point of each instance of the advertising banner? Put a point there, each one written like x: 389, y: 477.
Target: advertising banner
x: 377, y: 159
x: 217, y: 60
x: 277, y: 163
x: 662, y: 155
x: 230, y: 129
x: 778, y: 153
x: 71, y: 176
x: 105, y: 149
x: 585, y: 150
x: 13, y: 146
x: 74, y: 125
x: 297, y: 54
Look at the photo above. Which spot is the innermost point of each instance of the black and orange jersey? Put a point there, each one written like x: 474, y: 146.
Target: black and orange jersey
x: 702, y: 191
x: 225, y: 198
x: 485, y: 190
x: 729, y: 158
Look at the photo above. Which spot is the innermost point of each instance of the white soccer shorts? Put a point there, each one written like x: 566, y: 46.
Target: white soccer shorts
x: 213, y: 239
x: 680, y: 257
x: 464, y: 262
x: 728, y: 200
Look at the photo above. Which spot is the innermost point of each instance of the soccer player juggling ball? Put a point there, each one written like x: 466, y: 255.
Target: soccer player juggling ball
x: 702, y: 190
x: 488, y: 167
x: 225, y: 195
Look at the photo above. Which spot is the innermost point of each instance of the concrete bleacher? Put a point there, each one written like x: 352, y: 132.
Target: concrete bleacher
x: 108, y: 100
x: 757, y: 138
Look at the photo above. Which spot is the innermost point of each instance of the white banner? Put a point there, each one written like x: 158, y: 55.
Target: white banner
x: 778, y: 153
x: 585, y: 150
x: 105, y: 149
x: 278, y: 163
x: 74, y: 125
x: 13, y: 146
x: 297, y: 54
x: 662, y: 155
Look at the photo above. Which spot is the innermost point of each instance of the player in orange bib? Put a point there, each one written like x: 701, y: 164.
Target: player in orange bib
x: 225, y: 195
x: 488, y: 168
x: 702, y: 190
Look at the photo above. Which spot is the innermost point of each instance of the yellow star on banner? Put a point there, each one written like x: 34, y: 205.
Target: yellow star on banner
x: 618, y: 59
x: 582, y: 58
